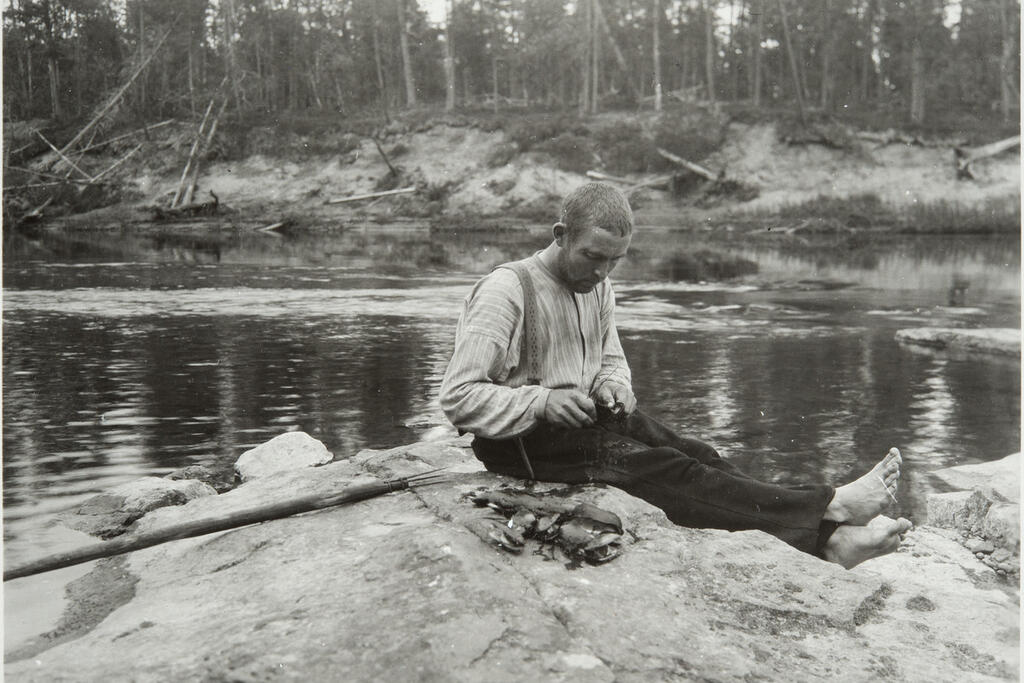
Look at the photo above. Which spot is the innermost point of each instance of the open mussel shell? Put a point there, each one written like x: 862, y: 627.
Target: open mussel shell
x: 592, y: 512
x: 602, y: 554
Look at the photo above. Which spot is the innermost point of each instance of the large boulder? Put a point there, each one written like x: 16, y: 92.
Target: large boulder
x: 403, y: 587
x: 282, y: 453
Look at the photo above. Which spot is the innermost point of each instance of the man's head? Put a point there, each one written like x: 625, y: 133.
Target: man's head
x: 593, y: 235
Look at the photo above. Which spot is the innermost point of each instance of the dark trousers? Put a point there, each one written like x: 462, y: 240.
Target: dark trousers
x: 683, y: 476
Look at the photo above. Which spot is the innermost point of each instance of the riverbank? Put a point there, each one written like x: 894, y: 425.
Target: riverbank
x: 472, y: 172
x: 402, y: 586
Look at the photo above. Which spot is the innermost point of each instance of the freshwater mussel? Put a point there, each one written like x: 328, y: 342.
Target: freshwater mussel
x: 582, y: 530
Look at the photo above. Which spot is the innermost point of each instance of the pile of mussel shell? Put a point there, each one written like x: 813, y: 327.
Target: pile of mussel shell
x: 583, y: 531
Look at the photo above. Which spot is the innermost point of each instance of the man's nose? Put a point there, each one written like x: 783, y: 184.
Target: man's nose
x: 601, y: 270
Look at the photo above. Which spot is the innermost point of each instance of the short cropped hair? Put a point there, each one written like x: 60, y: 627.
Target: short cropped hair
x: 597, y: 205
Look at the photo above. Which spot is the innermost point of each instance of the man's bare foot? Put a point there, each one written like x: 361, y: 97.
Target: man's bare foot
x: 862, y: 500
x: 851, y: 545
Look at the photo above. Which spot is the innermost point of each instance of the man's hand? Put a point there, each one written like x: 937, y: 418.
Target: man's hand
x: 611, y: 393
x: 569, y: 408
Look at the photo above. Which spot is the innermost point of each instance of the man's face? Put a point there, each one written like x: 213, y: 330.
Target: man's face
x: 584, y: 263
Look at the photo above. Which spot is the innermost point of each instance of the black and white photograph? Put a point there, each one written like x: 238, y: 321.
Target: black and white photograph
x: 511, y: 340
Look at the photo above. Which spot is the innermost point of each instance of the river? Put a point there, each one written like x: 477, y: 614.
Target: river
x: 132, y: 354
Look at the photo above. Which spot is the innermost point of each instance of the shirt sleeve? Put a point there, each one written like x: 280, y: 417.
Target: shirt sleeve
x: 614, y: 367
x: 473, y: 394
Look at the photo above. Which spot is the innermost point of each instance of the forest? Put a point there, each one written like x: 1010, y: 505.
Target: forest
x: 891, y: 62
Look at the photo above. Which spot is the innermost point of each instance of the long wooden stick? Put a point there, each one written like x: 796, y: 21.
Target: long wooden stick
x: 125, y: 135
x: 119, y: 546
x: 357, y: 197
x: 696, y: 168
x: 194, y: 175
x: 191, y: 155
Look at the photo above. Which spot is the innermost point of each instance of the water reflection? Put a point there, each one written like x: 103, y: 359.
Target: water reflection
x: 136, y: 355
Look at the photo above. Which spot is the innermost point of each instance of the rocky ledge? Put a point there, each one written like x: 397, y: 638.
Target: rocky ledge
x: 400, y: 587
x: 989, y: 341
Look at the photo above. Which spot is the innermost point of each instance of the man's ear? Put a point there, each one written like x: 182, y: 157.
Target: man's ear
x: 560, y: 233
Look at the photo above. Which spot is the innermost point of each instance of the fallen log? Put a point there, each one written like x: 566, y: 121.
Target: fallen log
x: 120, y: 546
x: 193, y: 151
x: 689, y: 165
x: 144, y: 129
x: 963, y: 157
x: 355, y: 198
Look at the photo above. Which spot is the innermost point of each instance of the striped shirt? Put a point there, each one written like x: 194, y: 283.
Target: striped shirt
x: 485, y: 389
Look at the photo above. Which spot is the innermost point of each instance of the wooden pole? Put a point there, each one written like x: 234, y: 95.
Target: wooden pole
x: 696, y: 168
x: 343, y: 200
x: 191, y: 155
x: 233, y: 520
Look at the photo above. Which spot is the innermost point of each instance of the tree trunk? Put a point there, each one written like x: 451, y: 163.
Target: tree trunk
x: 916, y: 81
x: 449, y: 58
x: 381, y: 83
x: 53, y: 69
x: 709, y: 47
x: 619, y: 57
x: 403, y: 38
x: 1006, y: 77
x: 756, y: 52
x: 657, y: 56
x: 826, y: 55
x: 30, y: 93
x: 868, y: 63
x: 588, y: 9
x: 595, y: 39
x: 792, y: 61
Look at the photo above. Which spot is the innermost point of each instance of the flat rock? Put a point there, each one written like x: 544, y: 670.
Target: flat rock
x: 400, y: 587
x: 995, y: 341
x: 1003, y: 475
x: 284, y: 452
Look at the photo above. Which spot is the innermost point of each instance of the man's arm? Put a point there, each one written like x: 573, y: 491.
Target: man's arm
x: 471, y: 395
x: 613, y: 383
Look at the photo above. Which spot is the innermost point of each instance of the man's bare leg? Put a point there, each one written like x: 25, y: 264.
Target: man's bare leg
x: 851, y: 545
x: 862, y: 500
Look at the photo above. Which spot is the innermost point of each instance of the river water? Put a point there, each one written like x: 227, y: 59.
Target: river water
x: 127, y: 355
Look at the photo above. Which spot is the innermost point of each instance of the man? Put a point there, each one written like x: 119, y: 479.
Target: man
x: 537, y: 357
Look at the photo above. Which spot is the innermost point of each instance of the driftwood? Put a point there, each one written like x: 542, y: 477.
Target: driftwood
x: 144, y: 129
x: 343, y: 200
x: 632, y: 185
x: 963, y: 157
x: 690, y: 166
x: 194, y: 175
x: 178, y: 195
x: 119, y: 546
